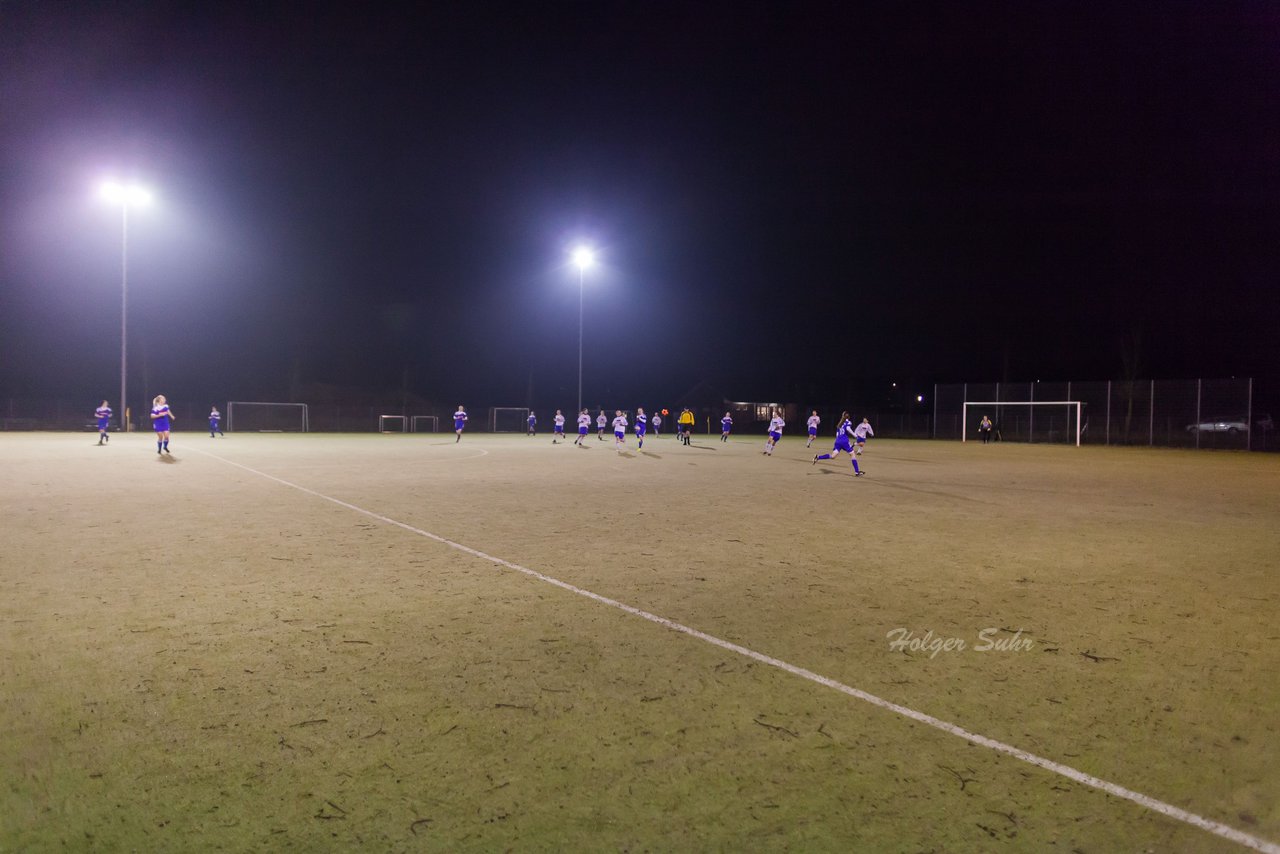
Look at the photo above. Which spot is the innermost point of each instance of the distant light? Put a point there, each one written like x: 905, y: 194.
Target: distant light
x: 583, y: 257
x: 124, y: 194
x: 919, y: 398
x: 895, y: 385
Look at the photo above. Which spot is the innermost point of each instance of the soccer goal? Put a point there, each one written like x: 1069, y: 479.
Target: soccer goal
x: 424, y: 424
x: 393, y: 424
x: 250, y: 416
x: 508, y: 419
x: 1025, y: 421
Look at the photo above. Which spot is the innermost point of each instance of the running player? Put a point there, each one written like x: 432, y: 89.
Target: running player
x: 657, y: 424
x: 160, y: 418
x: 814, y: 421
x: 584, y: 424
x: 459, y: 422
x: 843, y: 432
x: 860, y: 433
x: 619, y: 430
x: 602, y: 421
x: 642, y: 425
x: 215, y: 417
x: 558, y: 430
x: 726, y: 427
x: 775, y: 432
x: 103, y: 414
x: 533, y: 424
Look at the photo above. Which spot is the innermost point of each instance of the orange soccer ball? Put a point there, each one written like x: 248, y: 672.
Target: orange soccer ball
x: 664, y: 412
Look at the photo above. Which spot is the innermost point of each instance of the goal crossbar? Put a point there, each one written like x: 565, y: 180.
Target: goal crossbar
x: 964, y: 419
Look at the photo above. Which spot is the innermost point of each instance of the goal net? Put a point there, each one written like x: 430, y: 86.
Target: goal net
x: 393, y: 424
x: 424, y: 424
x: 1024, y: 421
x: 508, y: 419
x: 250, y: 416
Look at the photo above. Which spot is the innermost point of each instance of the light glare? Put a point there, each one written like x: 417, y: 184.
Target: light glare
x: 583, y: 257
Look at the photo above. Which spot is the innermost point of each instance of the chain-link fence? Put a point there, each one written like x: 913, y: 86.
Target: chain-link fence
x: 1167, y: 413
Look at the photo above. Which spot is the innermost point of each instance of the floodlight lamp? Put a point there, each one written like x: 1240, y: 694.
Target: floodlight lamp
x: 583, y: 257
x: 122, y: 194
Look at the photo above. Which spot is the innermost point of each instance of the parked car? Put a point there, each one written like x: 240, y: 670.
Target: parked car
x: 1220, y: 425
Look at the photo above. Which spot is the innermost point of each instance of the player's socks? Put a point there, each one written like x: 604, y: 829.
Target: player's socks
x: 856, y: 470
x: 166, y: 445
x: 159, y: 447
x: 822, y: 457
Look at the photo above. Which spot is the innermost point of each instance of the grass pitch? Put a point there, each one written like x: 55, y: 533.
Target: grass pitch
x: 195, y: 655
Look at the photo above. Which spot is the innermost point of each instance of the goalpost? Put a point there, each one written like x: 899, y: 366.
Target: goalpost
x: 267, y: 417
x: 424, y: 424
x: 508, y: 419
x: 1066, y: 413
x: 383, y: 419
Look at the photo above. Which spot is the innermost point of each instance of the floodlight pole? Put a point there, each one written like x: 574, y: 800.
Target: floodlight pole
x: 124, y: 311
x: 581, y: 277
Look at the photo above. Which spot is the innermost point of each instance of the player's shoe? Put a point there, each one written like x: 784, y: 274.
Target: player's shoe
x: 859, y: 473
x: 815, y: 459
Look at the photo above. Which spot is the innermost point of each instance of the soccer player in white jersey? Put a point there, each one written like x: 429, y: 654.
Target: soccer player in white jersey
x: 103, y: 414
x: 814, y: 421
x: 533, y: 424
x: 160, y: 418
x: 619, y: 430
x: 584, y: 424
x: 860, y: 433
x: 775, y: 432
x: 602, y: 421
x: 558, y: 431
x: 642, y: 425
x: 459, y: 422
x: 657, y: 424
x: 843, y: 433
x: 215, y: 419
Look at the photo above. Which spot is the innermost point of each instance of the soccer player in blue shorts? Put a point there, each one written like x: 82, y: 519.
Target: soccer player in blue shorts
x: 160, y: 418
x: 103, y: 414
x: 860, y: 434
x: 657, y: 424
x: 642, y: 425
x: 558, y: 433
x: 619, y: 430
x: 459, y: 422
x: 584, y: 424
x: 843, y: 432
x: 814, y: 421
x: 533, y: 424
x: 602, y: 421
x: 726, y: 427
x: 215, y: 417
x: 775, y: 433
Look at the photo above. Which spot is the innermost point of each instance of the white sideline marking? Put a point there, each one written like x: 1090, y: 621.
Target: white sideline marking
x: 1169, y: 810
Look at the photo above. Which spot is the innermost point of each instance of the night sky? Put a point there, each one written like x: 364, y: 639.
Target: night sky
x: 790, y: 201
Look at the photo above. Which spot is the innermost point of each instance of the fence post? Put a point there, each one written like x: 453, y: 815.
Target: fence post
x: 1108, y: 412
x: 1151, y: 417
x: 933, y: 431
x: 1198, y: 387
x: 1031, y: 413
x: 1248, y: 420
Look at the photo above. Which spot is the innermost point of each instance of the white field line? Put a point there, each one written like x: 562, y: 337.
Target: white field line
x: 1169, y: 810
